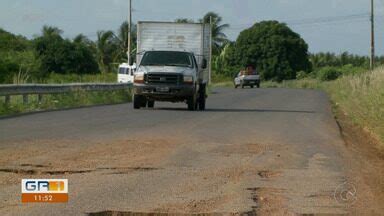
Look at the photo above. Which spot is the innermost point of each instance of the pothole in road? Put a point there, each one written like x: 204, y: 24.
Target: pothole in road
x: 266, y: 174
x: 119, y: 213
x: 33, y: 165
x: 250, y: 148
x: 34, y: 172
x: 269, y: 201
x: 117, y: 170
x: 126, y: 170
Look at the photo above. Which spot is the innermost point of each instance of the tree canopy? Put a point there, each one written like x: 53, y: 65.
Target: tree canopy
x: 276, y: 51
x: 62, y: 55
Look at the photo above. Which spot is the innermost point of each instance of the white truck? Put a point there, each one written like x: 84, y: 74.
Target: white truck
x: 173, y: 64
x: 126, y: 73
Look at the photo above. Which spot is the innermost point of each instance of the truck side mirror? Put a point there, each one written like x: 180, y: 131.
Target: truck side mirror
x: 204, y: 64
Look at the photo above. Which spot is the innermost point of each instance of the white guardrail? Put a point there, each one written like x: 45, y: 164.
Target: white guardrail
x: 41, y: 89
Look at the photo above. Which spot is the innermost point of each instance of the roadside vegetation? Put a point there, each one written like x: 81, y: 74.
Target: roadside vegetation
x: 64, y: 101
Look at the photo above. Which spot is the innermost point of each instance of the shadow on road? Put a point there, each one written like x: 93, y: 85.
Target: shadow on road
x: 219, y: 110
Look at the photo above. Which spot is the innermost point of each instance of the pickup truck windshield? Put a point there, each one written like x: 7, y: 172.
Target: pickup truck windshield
x: 167, y: 58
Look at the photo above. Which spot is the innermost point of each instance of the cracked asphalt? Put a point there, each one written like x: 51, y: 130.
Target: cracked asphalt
x: 254, y: 151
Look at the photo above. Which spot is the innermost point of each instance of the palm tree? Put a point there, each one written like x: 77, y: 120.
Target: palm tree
x: 106, y: 46
x: 49, y: 31
x: 122, y: 36
x: 218, y: 36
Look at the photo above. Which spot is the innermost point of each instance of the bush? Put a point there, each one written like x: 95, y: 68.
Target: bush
x: 301, y: 75
x: 328, y: 74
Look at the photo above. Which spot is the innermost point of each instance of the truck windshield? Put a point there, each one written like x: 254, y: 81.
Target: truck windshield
x: 123, y: 70
x: 167, y: 58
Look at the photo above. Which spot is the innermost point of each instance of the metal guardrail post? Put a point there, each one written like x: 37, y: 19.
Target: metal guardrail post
x: 7, y: 100
x: 25, y: 98
x: 39, y: 98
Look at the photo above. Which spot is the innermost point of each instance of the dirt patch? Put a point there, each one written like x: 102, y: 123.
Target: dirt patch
x: 365, y: 167
x: 268, y: 201
x: 195, y: 207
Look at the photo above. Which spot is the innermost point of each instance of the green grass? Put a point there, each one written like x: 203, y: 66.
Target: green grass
x: 62, y: 101
x: 361, y: 98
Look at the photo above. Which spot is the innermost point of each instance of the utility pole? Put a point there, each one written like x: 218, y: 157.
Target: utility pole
x: 210, y: 51
x: 372, y: 63
x: 129, y: 32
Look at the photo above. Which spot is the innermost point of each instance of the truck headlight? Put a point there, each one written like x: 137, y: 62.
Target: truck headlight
x: 188, y: 79
x: 139, y: 78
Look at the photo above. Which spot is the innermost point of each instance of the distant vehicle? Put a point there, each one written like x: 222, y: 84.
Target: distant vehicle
x: 172, y: 64
x: 126, y: 73
x: 249, y: 77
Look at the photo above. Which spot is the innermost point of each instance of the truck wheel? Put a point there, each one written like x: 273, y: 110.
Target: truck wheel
x: 252, y: 86
x: 137, y: 101
x: 192, y: 103
x: 258, y: 85
x: 202, y: 104
x: 202, y: 99
x: 143, y: 102
x: 151, y: 104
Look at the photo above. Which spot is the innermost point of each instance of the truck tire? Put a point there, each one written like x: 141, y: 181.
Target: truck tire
x: 137, y: 101
x: 202, y: 98
x: 151, y: 104
x: 258, y: 85
x: 144, y: 102
x: 192, y: 103
x: 252, y: 86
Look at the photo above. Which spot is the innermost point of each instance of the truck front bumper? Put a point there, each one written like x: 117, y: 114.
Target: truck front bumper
x: 173, y: 93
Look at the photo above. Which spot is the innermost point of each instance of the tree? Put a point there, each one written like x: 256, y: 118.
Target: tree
x: 10, y: 41
x: 276, y: 51
x: 51, y: 31
x: 106, y: 46
x: 62, y: 55
x: 184, y: 20
x: 218, y: 36
x: 122, y: 37
x: 16, y: 56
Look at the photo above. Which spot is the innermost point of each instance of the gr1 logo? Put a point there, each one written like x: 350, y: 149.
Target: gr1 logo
x: 44, y: 190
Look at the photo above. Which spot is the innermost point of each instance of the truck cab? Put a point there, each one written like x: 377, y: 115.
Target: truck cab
x: 126, y: 73
x: 171, y: 76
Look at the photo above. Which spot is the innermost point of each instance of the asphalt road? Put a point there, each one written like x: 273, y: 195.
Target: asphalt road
x: 265, y: 151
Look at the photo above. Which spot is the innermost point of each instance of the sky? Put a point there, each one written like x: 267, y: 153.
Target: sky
x: 326, y: 25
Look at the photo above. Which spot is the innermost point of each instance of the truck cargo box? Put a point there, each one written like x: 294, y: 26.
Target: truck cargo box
x: 167, y: 36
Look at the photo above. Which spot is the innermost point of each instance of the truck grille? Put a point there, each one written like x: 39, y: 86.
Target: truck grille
x: 163, y: 78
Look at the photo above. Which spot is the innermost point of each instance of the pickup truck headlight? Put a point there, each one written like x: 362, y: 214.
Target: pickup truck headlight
x: 188, y: 79
x: 139, y: 78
